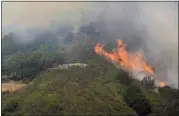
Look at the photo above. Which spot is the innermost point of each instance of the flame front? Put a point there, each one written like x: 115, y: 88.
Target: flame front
x: 162, y: 84
x: 129, y: 62
x: 122, y: 57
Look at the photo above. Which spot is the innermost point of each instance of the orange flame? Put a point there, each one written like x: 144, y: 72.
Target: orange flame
x: 127, y: 61
x: 122, y: 57
x: 162, y: 84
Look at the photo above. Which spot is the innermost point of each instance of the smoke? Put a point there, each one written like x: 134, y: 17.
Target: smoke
x: 162, y: 38
x: 152, y: 26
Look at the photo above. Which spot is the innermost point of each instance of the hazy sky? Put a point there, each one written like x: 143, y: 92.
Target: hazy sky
x: 160, y: 20
x: 31, y: 14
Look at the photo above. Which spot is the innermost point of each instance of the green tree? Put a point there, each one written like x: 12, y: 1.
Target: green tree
x: 10, y: 107
x: 123, y: 78
x: 136, y: 100
x: 28, y: 65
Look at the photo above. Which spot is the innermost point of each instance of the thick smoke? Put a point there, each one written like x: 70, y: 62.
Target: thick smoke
x: 152, y: 26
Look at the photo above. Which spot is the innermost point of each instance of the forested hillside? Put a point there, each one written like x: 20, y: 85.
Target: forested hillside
x: 98, y: 89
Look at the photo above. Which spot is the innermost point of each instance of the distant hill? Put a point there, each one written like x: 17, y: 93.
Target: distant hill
x: 98, y: 89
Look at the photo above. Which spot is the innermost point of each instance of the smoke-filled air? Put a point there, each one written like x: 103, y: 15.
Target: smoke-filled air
x: 90, y: 58
x: 150, y: 27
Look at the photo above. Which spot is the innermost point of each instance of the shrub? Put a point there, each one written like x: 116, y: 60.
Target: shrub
x: 136, y: 100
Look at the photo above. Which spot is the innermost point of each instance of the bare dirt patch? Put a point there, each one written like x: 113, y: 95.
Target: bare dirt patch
x: 12, y: 86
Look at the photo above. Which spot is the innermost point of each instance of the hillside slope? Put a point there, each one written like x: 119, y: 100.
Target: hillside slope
x: 99, y: 89
x: 75, y: 91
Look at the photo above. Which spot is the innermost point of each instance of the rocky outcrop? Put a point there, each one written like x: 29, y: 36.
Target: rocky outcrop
x: 67, y: 66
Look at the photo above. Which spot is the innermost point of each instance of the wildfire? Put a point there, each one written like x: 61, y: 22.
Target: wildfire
x: 162, y: 84
x: 129, y: 62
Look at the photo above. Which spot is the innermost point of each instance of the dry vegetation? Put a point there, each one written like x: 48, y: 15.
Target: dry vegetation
x: 12, y: 86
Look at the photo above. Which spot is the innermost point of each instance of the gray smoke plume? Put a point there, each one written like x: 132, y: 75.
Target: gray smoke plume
x: 152, y: 26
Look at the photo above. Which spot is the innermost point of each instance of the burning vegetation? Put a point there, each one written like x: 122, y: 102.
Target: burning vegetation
x: 128, y: 61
